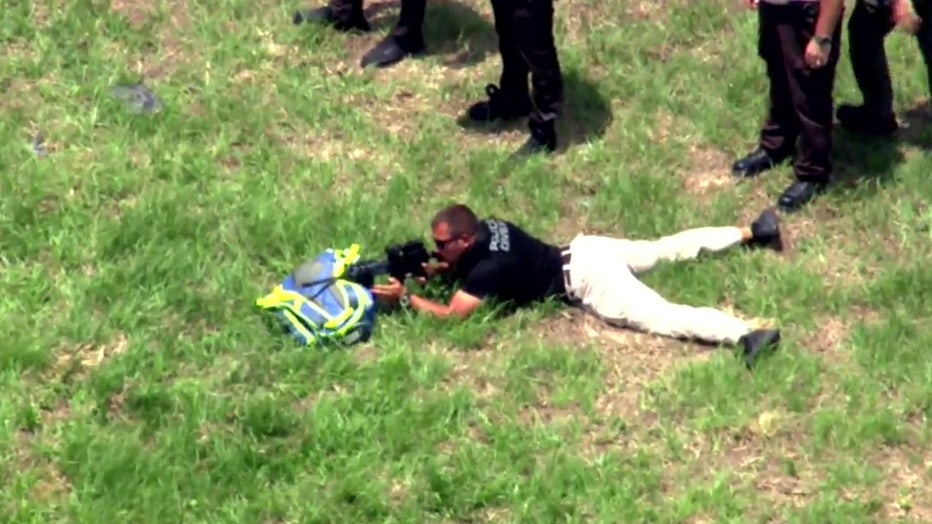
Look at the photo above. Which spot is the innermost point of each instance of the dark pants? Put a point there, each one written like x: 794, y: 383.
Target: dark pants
x: 525, y: 41
x: 867, y: 28
x: 800, y: 97
x: 410, y: 20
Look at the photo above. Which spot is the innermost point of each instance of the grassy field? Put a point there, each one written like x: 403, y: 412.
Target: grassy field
x: 138, y: 382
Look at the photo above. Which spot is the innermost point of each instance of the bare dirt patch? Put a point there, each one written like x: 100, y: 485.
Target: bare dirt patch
x: 847, y: 258
x: 907, y: 492
x: 135, y: 11
x: 631, y: 359
x: 74, y: 360
x: 173, y: 50
x: 833, y: 332
x: 710, y: 170
x: 51, y: 485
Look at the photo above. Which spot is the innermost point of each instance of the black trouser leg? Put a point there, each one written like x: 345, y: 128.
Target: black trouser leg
x: 867, y: 29
x: 514, y: 78
x: 409, y: 30
x: 781, y: 130
x: 533, y: 22
x: 803, y: 94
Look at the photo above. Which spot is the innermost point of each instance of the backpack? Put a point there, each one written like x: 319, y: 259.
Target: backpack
x: 317, y: 307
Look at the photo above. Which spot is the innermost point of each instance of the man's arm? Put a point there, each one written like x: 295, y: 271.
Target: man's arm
x: 461, y: 305
x: 830, y: 12
x: 483, y: 281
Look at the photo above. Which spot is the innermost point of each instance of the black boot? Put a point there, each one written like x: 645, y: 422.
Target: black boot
x: 543, y: 137
x: 798, y: 194
x: 327, y: 16
x: 757, y: 343
x: 765, y: 231
x: 861, y: 119
x: 501, y: 105
x: 392, y: 50
x: 755, y: 163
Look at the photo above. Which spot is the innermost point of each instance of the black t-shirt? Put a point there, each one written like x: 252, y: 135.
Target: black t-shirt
x: 509, y: 265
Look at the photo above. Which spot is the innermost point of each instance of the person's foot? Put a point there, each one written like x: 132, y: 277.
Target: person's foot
x: 755, y: 163
x: 543, y: 139
x: 326, y: 15
x: 758, y: 343
x: 798, y: 194
x: 765, y: 231
x: 392, y: 50
x: 500, y: 105
x: 862, y: 120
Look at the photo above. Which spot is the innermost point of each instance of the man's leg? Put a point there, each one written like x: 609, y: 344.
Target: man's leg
x: 867, y: 28
x: 812, y: 95
x: 534, y: 24
x: 406, y: 39
x: 343, y: 15
x: 644, y: 255
x: 619, y: 298
x: 778, y: 135
x: 510, y: 99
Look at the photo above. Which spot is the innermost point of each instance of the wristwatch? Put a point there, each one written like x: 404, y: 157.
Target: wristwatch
x: 404, y: 301
x: 822, y: 41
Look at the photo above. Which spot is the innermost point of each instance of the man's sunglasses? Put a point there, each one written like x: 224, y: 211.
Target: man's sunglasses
x: 442, y: 243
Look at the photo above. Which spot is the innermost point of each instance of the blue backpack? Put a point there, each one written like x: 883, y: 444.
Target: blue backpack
x: 318, y: 307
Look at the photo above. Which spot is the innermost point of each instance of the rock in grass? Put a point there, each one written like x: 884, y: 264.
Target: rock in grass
x: 138, y: 98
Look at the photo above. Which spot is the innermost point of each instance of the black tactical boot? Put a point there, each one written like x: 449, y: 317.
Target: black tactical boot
x: 755, y: 163
x: 392, y: 50
x: 765, y: 231
x: 757, y: 343
x: 798, y: 194
x: 501, y: 105
x: 327, y: 16
x: 861, y: 119
x: 543, y: 137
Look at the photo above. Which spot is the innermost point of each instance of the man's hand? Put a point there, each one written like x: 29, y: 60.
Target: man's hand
x: 905, y: 18
x: 751, y: 4
x: 830, y: 14
x: 391, y: 292
x: 433, y: 270
x: 816, y: 55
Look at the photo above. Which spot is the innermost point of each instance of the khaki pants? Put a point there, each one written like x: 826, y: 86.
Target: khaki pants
x: 602, y: 276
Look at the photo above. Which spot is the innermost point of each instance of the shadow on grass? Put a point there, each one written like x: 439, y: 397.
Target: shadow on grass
x: 865, y: 160
x: 451, y: 29
x: 586, y: 114
x: 916, y: 125
x: 861, y: 160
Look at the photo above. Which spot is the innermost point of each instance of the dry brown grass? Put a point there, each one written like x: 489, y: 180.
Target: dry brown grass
x: 75, y: 360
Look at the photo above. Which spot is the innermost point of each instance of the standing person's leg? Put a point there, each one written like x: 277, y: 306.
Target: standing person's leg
x: 613, y: 293
x: 779, y: 133
x: 868, y: 26
x: 343, y: 15
x: 534, y: 24
x: 405, y: 40
x: 813, y: 96
x: 509, y: 99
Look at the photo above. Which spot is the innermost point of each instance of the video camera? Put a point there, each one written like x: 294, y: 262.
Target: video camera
x: 401, y: 261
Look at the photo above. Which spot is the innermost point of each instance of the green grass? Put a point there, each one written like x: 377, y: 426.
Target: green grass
x: 138, y: 383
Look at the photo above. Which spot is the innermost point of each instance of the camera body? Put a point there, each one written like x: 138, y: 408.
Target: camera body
x: 401, y: 261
